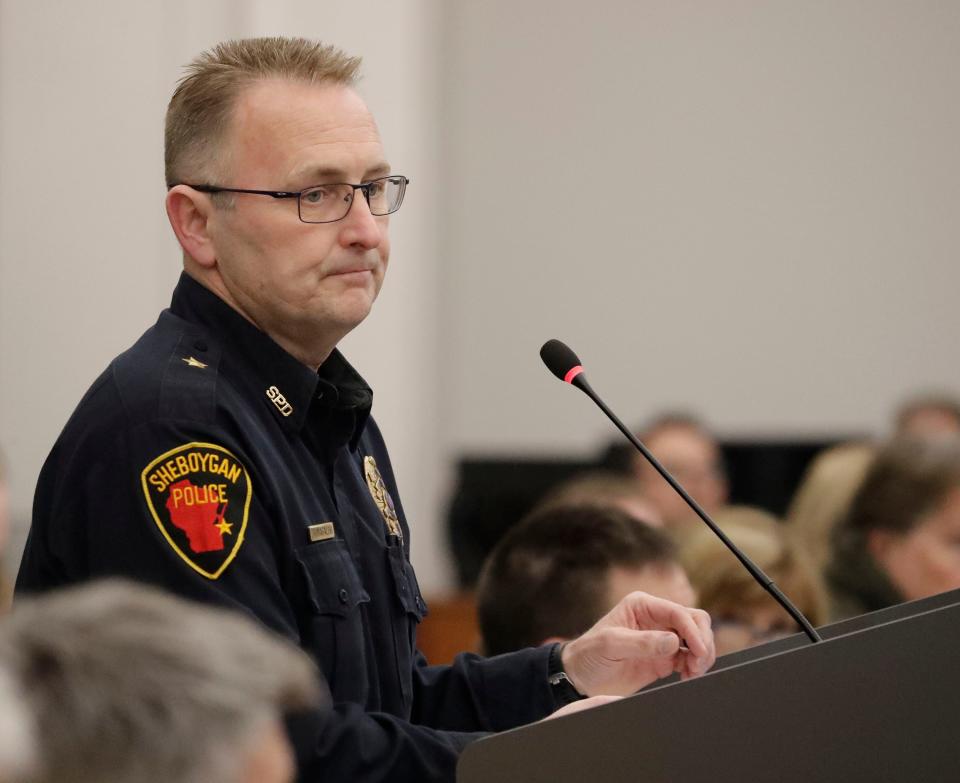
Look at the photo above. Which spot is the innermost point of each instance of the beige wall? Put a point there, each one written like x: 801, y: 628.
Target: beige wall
x: 746, y: 207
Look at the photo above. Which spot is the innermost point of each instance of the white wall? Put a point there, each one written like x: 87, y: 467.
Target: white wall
x: 744, y: 208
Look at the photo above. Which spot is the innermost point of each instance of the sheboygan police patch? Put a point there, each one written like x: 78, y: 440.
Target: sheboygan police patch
x: 199, y: 496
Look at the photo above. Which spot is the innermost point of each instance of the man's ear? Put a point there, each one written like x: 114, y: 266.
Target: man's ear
x: 188, y: 211
x: 878, y: 544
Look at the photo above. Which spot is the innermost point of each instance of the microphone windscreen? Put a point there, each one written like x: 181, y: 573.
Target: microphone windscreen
x: 558, y: 358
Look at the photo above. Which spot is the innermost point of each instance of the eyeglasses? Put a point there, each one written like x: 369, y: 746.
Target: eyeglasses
x: 330, y: 203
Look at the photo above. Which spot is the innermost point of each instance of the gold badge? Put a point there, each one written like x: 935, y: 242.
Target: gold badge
x: 381, y: 497
x: 191, y: 362
x: 199, y: 495
x: 321, y: 532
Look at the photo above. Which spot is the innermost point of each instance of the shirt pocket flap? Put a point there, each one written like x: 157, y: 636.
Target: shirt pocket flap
x: 333, y: 583
x: 408, y: 591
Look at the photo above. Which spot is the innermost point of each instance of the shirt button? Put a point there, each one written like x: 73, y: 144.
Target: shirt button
x: 343, y: 595
x: 200, y: 345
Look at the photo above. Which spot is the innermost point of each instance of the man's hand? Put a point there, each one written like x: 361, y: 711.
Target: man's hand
x: 581, y: 705
x: 642, y: 639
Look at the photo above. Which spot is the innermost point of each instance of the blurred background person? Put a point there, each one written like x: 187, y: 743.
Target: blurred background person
x: 824, y: 496
x: 130, y: 685
x: 901, y: 539
x: 562, y: 568
x: 691, y: 454
x: 17, y: 740
x: 928, y: 415
x: 601, y: 487
x: 743, y: 613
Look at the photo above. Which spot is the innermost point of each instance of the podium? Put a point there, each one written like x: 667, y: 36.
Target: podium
x: 877, y: 700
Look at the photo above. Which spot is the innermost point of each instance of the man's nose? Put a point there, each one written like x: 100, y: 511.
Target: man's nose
x: 360, y: 228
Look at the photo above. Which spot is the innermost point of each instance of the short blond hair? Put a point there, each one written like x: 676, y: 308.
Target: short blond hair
x: 725, y: 587
x: 199, y: 113
x: 824, y: 496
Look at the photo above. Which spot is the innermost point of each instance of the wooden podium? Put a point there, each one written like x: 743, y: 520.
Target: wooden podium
x: 877, y: 700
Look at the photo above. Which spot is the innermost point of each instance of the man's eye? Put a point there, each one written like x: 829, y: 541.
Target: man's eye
x: 375, y: 189
x: 315, y: 196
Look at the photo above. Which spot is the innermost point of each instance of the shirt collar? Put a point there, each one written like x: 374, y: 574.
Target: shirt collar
x: 287, y: 386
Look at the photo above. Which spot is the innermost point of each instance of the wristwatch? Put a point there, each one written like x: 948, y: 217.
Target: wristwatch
x: 563, y: 691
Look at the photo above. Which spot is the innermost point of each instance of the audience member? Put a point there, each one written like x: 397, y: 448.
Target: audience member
x: 692, y: 456
x: 928, y: 415
x: 743, y: 613
x: 130, y: 685
x: 604, y: 488
x: 824, y: 496
x: 17, y: 741
x: 901, y: 538
x: 562, y: 568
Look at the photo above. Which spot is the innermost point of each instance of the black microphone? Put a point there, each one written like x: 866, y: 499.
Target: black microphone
x: 563, y: 363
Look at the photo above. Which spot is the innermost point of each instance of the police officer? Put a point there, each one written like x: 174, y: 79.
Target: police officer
x: 229, y: 455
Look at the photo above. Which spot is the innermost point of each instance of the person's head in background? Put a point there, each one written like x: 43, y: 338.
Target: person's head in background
x: 928, y: 415
x: 561, y: 569
x: 901, y: 538
x: 604, y: 488
x: 17, y: 740
x: 824, y: 496
x: 690, y: 453
x: 127, y: 684
x: 743, y: 613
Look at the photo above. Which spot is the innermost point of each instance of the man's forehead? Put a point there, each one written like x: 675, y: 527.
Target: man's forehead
x: 305, y: 127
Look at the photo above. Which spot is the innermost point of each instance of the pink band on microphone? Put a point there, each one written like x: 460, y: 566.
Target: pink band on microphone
x: 572, y: 373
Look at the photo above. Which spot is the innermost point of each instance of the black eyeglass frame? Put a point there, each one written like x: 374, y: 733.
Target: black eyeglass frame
x: 364, y: 187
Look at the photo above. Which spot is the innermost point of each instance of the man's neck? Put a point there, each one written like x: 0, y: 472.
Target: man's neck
x: 313, y: 354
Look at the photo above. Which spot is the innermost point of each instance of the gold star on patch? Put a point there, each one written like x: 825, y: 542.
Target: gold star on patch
x: 225, y: 528
x: 193, y: 362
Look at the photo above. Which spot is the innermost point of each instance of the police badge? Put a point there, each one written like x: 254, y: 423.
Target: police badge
x: 381, y: 496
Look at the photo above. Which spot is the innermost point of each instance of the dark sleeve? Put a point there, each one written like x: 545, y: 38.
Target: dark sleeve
x: 484, y: 694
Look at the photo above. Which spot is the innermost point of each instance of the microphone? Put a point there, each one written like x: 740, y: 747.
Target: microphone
x: 563, y: 363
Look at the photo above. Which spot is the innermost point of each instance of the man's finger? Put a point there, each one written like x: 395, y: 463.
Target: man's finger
x: 630, y: 644
x: 649, y: 609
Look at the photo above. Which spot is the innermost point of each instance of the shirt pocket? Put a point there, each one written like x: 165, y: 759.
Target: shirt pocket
x: 336, y: 627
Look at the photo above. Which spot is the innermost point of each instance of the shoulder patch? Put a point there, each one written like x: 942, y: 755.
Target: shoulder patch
x: 199, y: 495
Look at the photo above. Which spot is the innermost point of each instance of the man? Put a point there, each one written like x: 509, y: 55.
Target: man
x: 563, y: 567
x: 691, y: 455
x: 928, y: 416
x: 230, y: 454
x: 126, y: 684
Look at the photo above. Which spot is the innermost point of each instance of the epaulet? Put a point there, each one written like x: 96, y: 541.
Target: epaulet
x: 170, y: 373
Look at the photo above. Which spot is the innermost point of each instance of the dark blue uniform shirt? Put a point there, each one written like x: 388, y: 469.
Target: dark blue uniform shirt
x: 208, y: 461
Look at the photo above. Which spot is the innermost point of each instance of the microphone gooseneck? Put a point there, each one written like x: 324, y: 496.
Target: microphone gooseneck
x: 564, y: 364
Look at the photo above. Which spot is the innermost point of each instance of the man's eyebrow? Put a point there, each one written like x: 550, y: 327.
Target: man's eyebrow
x: 319, y: 174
